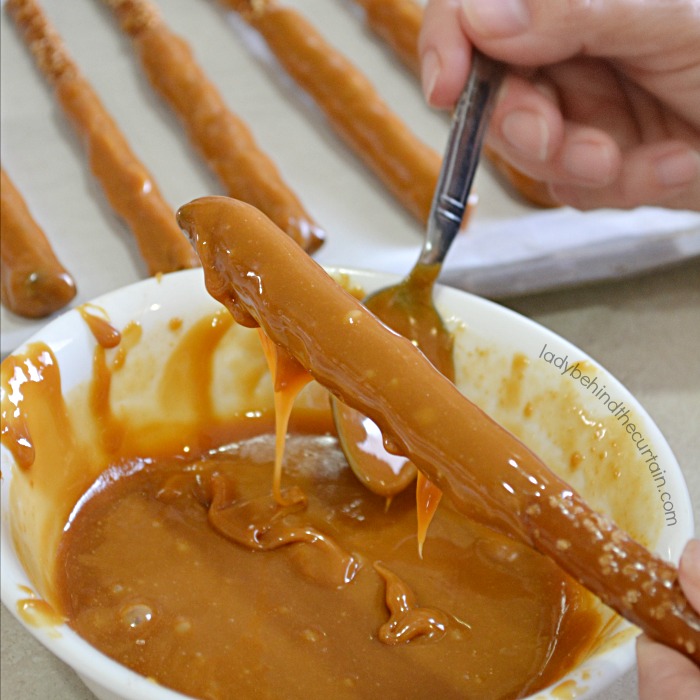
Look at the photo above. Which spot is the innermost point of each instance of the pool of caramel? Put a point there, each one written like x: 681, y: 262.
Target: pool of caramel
x: 167, y: 551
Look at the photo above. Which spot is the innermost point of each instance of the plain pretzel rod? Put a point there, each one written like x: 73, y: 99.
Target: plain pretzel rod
x: 264, y: 280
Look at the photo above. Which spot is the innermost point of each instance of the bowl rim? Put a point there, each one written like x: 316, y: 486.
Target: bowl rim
x: 99, y: 670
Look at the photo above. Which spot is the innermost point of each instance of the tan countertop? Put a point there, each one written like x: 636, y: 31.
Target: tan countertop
x: 646, y: 331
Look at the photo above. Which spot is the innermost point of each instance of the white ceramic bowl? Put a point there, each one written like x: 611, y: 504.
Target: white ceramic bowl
x: 490, y: 342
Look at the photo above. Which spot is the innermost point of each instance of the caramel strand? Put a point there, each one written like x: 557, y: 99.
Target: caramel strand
x: 352, y: 105
x: 289, y: 378
x: 486, y: 472
x: 222, y: 138
x: 128, y: 186
x: 33, y: 281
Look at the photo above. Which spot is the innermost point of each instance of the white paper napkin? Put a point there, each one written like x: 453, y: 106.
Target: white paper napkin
x: 560, y: 247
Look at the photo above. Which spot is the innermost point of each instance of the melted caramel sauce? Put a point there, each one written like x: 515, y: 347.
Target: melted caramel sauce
x: 173, y: 556
x: 190, y: 572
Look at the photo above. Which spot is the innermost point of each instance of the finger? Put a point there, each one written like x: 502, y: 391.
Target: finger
x: 656, y: 43
x: 665, y: 174
x: 534, y: 32
x: 594, y: 93
x: 664, y: 674
x: 445, y: 53
x: 528, y: 131
x: 526, y: 124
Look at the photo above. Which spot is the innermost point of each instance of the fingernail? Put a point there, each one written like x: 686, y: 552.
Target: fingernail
x: 589, y: 161
x: 678, y: 167
x: 527, y: 132
x: 430, y: 70
x: 497, y: 17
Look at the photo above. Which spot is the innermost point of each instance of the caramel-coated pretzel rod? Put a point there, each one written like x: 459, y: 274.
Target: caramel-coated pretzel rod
x: 398, y: 23
x: 127, y: 184
x: 354, y: 108
x: 223, y: 139
x: 484, y: 470
x: 34, y: 283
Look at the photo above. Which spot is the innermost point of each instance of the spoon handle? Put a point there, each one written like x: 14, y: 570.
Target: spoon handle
x: 469, y: 125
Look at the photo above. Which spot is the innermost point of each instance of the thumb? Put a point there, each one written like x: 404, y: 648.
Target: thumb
x: 689, y: 572
x: 538, y: 32
x: 664, y: 674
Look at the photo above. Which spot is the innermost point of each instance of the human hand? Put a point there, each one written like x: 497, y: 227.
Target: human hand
x: 602, y: 101
x: 663, y: 673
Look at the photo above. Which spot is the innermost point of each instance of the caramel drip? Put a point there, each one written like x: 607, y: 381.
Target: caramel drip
x: 408, y: 620
x: 186, y: 371
x: 110, y: 429
x: 36, y: 611
x: 15, y: 431
x: 289, y: 378
x: 103, y: 331
x: 352, y: 105
x: 107, y: 337
x: 127, y: 184
x: 483, y: 469
x: 428, y: 497
x: 130, y: 337
x: 223, y: 138
x: 24, y: 376
x: 33, y: 283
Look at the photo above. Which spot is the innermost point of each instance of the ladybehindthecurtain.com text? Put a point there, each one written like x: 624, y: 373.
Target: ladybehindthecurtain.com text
x: 622, y: 414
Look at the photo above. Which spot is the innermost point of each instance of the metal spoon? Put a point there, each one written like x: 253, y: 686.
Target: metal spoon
x: 407, y: 307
